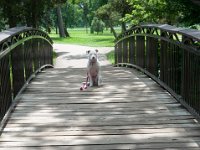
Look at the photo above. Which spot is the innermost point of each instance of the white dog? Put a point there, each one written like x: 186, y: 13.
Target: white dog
x: 93, y: 68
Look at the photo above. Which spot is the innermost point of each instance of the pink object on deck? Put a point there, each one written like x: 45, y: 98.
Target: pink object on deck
x: 84, y: 85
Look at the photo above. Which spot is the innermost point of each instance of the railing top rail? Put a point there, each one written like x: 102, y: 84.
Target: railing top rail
x: 184, y: 31
x: 8, y: 34
x: 191, y: 33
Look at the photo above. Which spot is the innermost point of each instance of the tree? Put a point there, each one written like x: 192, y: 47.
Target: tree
x: 2, y: 21
x: 174, y: 12
x: 85, y: 8
x: 97, y: 25
x: 188, y: 10
x: 29, y: 12
x: 88, y: 8
x: 113, y: 12
x: 109, y: 16
x: 11, y: 11
x: 60, y: 22
x: 122, y: 7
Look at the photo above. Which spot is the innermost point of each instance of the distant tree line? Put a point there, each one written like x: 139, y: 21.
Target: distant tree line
x: 97, y: 14
x: 32, y: 13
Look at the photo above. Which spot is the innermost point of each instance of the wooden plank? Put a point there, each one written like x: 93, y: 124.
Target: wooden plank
x: 61, y: 127
x: 98, y: 147
x: 107, y: 114
x: 96, y: 116
x: 169, y: 132
x: 142, y: 141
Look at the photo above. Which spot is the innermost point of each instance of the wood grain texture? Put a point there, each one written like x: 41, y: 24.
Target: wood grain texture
x: 129, y: 111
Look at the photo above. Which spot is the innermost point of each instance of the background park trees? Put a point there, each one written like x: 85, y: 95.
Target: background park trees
x: 174, y: 12
x: 63, y: 14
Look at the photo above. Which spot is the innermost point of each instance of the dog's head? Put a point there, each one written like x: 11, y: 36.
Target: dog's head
x: 92, y: 55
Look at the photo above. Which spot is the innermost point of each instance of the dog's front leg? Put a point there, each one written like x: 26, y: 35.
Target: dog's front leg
x: 99, y: 82
x: 90, y: 79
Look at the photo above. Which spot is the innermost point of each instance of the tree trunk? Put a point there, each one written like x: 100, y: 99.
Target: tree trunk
x: 112, y: 29
x: 34, y: 15
x: 123, y: 27
x: 66, y: 32
x: 11, y: 21
x: 60, y: 22
x: 123, y: 23
x: 8, y: 10
x: 86, y: 28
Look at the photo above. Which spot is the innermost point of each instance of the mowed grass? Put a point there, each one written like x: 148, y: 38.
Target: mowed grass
x: 111, y: 57
x: 80, y: 37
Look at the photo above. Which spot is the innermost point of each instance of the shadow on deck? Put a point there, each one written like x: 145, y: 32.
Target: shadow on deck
x: 129, y: 111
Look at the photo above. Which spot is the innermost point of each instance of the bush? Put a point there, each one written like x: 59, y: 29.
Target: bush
x: 97, y: 25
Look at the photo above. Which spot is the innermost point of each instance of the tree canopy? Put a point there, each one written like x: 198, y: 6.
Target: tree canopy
x: 80, y: 13
x: 29, y: 12
x: 174, y: 12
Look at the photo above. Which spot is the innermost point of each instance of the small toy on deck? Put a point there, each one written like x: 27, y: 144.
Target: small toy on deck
x: 85, y: 84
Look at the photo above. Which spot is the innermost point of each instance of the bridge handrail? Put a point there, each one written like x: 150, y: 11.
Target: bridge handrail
x: 169, y: 55
x: 24, y: 51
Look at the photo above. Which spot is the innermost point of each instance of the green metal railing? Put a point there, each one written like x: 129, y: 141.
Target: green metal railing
x: 23, y: 52
x: 169, y: 55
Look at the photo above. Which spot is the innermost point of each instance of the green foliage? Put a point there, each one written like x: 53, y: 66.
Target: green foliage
x: 113, y: 11
x: 29, y: 12
x: 80, y: 13
x: 72, y: 15
x: 109, y: 17
x: 97, y: 25
x: 146, y: 11
x: 2, y: 21
x: 121, y: 6
x: 107, y: 14
x: 173, y: 12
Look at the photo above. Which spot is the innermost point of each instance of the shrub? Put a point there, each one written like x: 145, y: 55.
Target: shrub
x: 97, y: 25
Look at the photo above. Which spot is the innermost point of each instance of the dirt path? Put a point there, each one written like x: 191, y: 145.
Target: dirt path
x: 74, y: 56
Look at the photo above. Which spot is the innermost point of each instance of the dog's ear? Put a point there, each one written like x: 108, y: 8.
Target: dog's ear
x: 87, y: 52
x: 97, y: 50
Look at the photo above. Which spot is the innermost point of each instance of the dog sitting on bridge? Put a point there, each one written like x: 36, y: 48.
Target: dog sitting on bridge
x: 93, y: 68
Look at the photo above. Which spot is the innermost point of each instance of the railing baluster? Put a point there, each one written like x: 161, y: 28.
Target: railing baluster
x: 163, y: 63
x: 116, y: 53
x: 140, y: 51
x: 120, y: 44
x: 6, y: 93
x: 132, y: 50
x: 125, y: 51
x: 28, y: 58
x: 35, y: 48
x: 152, y: 55
x: 17, y: 57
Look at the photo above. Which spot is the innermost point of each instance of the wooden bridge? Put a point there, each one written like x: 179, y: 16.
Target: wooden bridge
x: 129, y: 110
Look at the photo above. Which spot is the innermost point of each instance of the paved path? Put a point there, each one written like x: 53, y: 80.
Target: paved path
x: 74, y: 56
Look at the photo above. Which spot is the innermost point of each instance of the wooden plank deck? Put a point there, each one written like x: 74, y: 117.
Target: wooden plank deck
x: 129, y: 111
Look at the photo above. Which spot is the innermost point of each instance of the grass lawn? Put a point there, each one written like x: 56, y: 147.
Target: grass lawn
x: 80, y: 37
x: 111, y: 57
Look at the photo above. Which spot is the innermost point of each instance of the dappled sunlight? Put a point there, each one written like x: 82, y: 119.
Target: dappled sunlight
x: 124, y: 112
x: 150, y: 111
